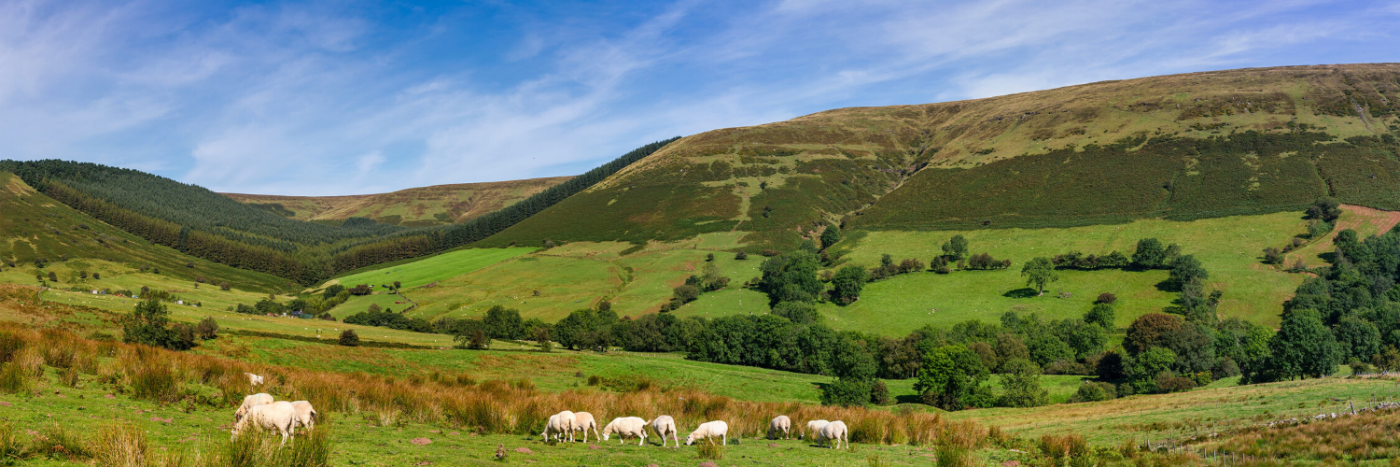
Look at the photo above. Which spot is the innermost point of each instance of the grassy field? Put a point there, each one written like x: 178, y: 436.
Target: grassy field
x: 433, y: 268
x: 1230, y: 249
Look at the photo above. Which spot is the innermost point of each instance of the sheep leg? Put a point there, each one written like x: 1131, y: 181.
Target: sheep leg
x: 642, y: 439
x: 724, y: 439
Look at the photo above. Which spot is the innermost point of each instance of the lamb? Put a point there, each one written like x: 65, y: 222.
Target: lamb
x: 812, y: 428
x: 665, y: 425
x: 559, y: 424
x: 709, y: 430
x: 584, y: 421
x: 781, y: 424
x: 626, y: 427
x: 834, y: 431
x: 306, y: 415
x: 281, y: 416
x: 249, y: 402
x: 254, y: 379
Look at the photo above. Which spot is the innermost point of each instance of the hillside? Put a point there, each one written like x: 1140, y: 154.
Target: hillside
x: 414, y: 207
x: 1181, y: 147
x: 36, y: 227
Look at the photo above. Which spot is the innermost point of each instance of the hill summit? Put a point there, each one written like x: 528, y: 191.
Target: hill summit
x: 1181, y: 146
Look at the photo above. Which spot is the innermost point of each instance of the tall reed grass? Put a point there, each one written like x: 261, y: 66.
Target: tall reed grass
x: 487, y: 407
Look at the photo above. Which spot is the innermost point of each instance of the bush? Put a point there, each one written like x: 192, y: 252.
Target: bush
x: 1094, y: 392
x: 879, y: 393
x: 1106, y: 298
x: 741, y: 255
x: 348, y: 338
x: 207, y: 329
x: 846, y: 393
x: 1167, y: 382
x: 686, y: 293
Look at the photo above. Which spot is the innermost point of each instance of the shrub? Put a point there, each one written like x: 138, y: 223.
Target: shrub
x: 879, y: 393
x: 348, y: 338
x: 207, y: 328
x: 1107, y: 298
x: 741, y: 255
x: 846, y: 393
x: 1094, y: 392
x: 686, y: 293
x: 1167, y: 382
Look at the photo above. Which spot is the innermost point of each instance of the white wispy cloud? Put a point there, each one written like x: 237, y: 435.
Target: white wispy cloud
x: 327, y: 98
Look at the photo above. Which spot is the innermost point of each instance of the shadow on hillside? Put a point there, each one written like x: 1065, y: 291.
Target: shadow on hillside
x: 1024, y: 292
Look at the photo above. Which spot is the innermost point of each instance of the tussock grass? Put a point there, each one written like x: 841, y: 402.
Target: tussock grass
x: 709, y: 449
x: 489, y: 407
x: 13, y: 378
x: 121, y: 445
x: 60, y: 442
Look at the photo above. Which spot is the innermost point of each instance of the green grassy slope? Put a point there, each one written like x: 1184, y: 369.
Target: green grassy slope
x: 1178, y: 146
x: 426, y: 206
x: 434, y: 268
x: 35, y: 226
x: 1230, y: 248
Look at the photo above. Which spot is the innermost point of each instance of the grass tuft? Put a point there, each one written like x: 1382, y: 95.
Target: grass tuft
x: 709, y: 449
x: 121, y: 445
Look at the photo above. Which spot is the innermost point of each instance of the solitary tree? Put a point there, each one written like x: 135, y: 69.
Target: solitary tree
x: 955, y: 247
x: 349, y: 338
x: 542, y: 339
x: 1039, y: 272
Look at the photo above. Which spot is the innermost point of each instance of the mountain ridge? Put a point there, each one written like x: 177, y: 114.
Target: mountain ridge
x: 411, y: 207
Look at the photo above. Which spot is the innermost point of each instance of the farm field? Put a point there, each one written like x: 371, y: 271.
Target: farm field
x: 433, y: 268
x: 362, y: 437
x: 579, y: 275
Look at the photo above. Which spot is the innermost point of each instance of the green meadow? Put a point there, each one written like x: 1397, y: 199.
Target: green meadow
x: 433, y: 268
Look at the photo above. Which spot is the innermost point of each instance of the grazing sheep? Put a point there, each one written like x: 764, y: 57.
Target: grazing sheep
x: 665, y: 425
x: 709, y: 430
x: 834, y: 431
x: 583, y: 421
x: 781, y: 424
x: 812, y: 428
x: 254, y: 379
x: 280, y: 416
x: 559, y: 424
x: 248, y: 403
x: 627, y: 427
x: 306, y: 415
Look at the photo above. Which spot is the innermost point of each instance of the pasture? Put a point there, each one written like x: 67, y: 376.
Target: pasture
x: 432, y: 269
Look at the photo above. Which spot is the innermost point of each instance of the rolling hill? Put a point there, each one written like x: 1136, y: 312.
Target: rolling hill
x: 414, y: 207
x: 35, y: 229
x: 1181, y: 147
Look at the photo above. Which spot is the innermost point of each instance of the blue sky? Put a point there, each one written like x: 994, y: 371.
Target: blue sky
x: 344, y: 97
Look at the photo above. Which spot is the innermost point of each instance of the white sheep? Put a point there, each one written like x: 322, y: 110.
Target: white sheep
x: 280, y: 416
x: 780, y: 424
x: 559, y: 424
x: 583, y: 421
x: 833, y: 431
x: 254, y: 379
x: 709, y: 430
x: 306, y: 414
x: 812, y: 428
x: 249, y: 402
x: 627, y: 427
x: 665, y: 425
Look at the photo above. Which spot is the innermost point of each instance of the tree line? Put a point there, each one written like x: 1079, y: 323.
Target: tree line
x: 208, y: 225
